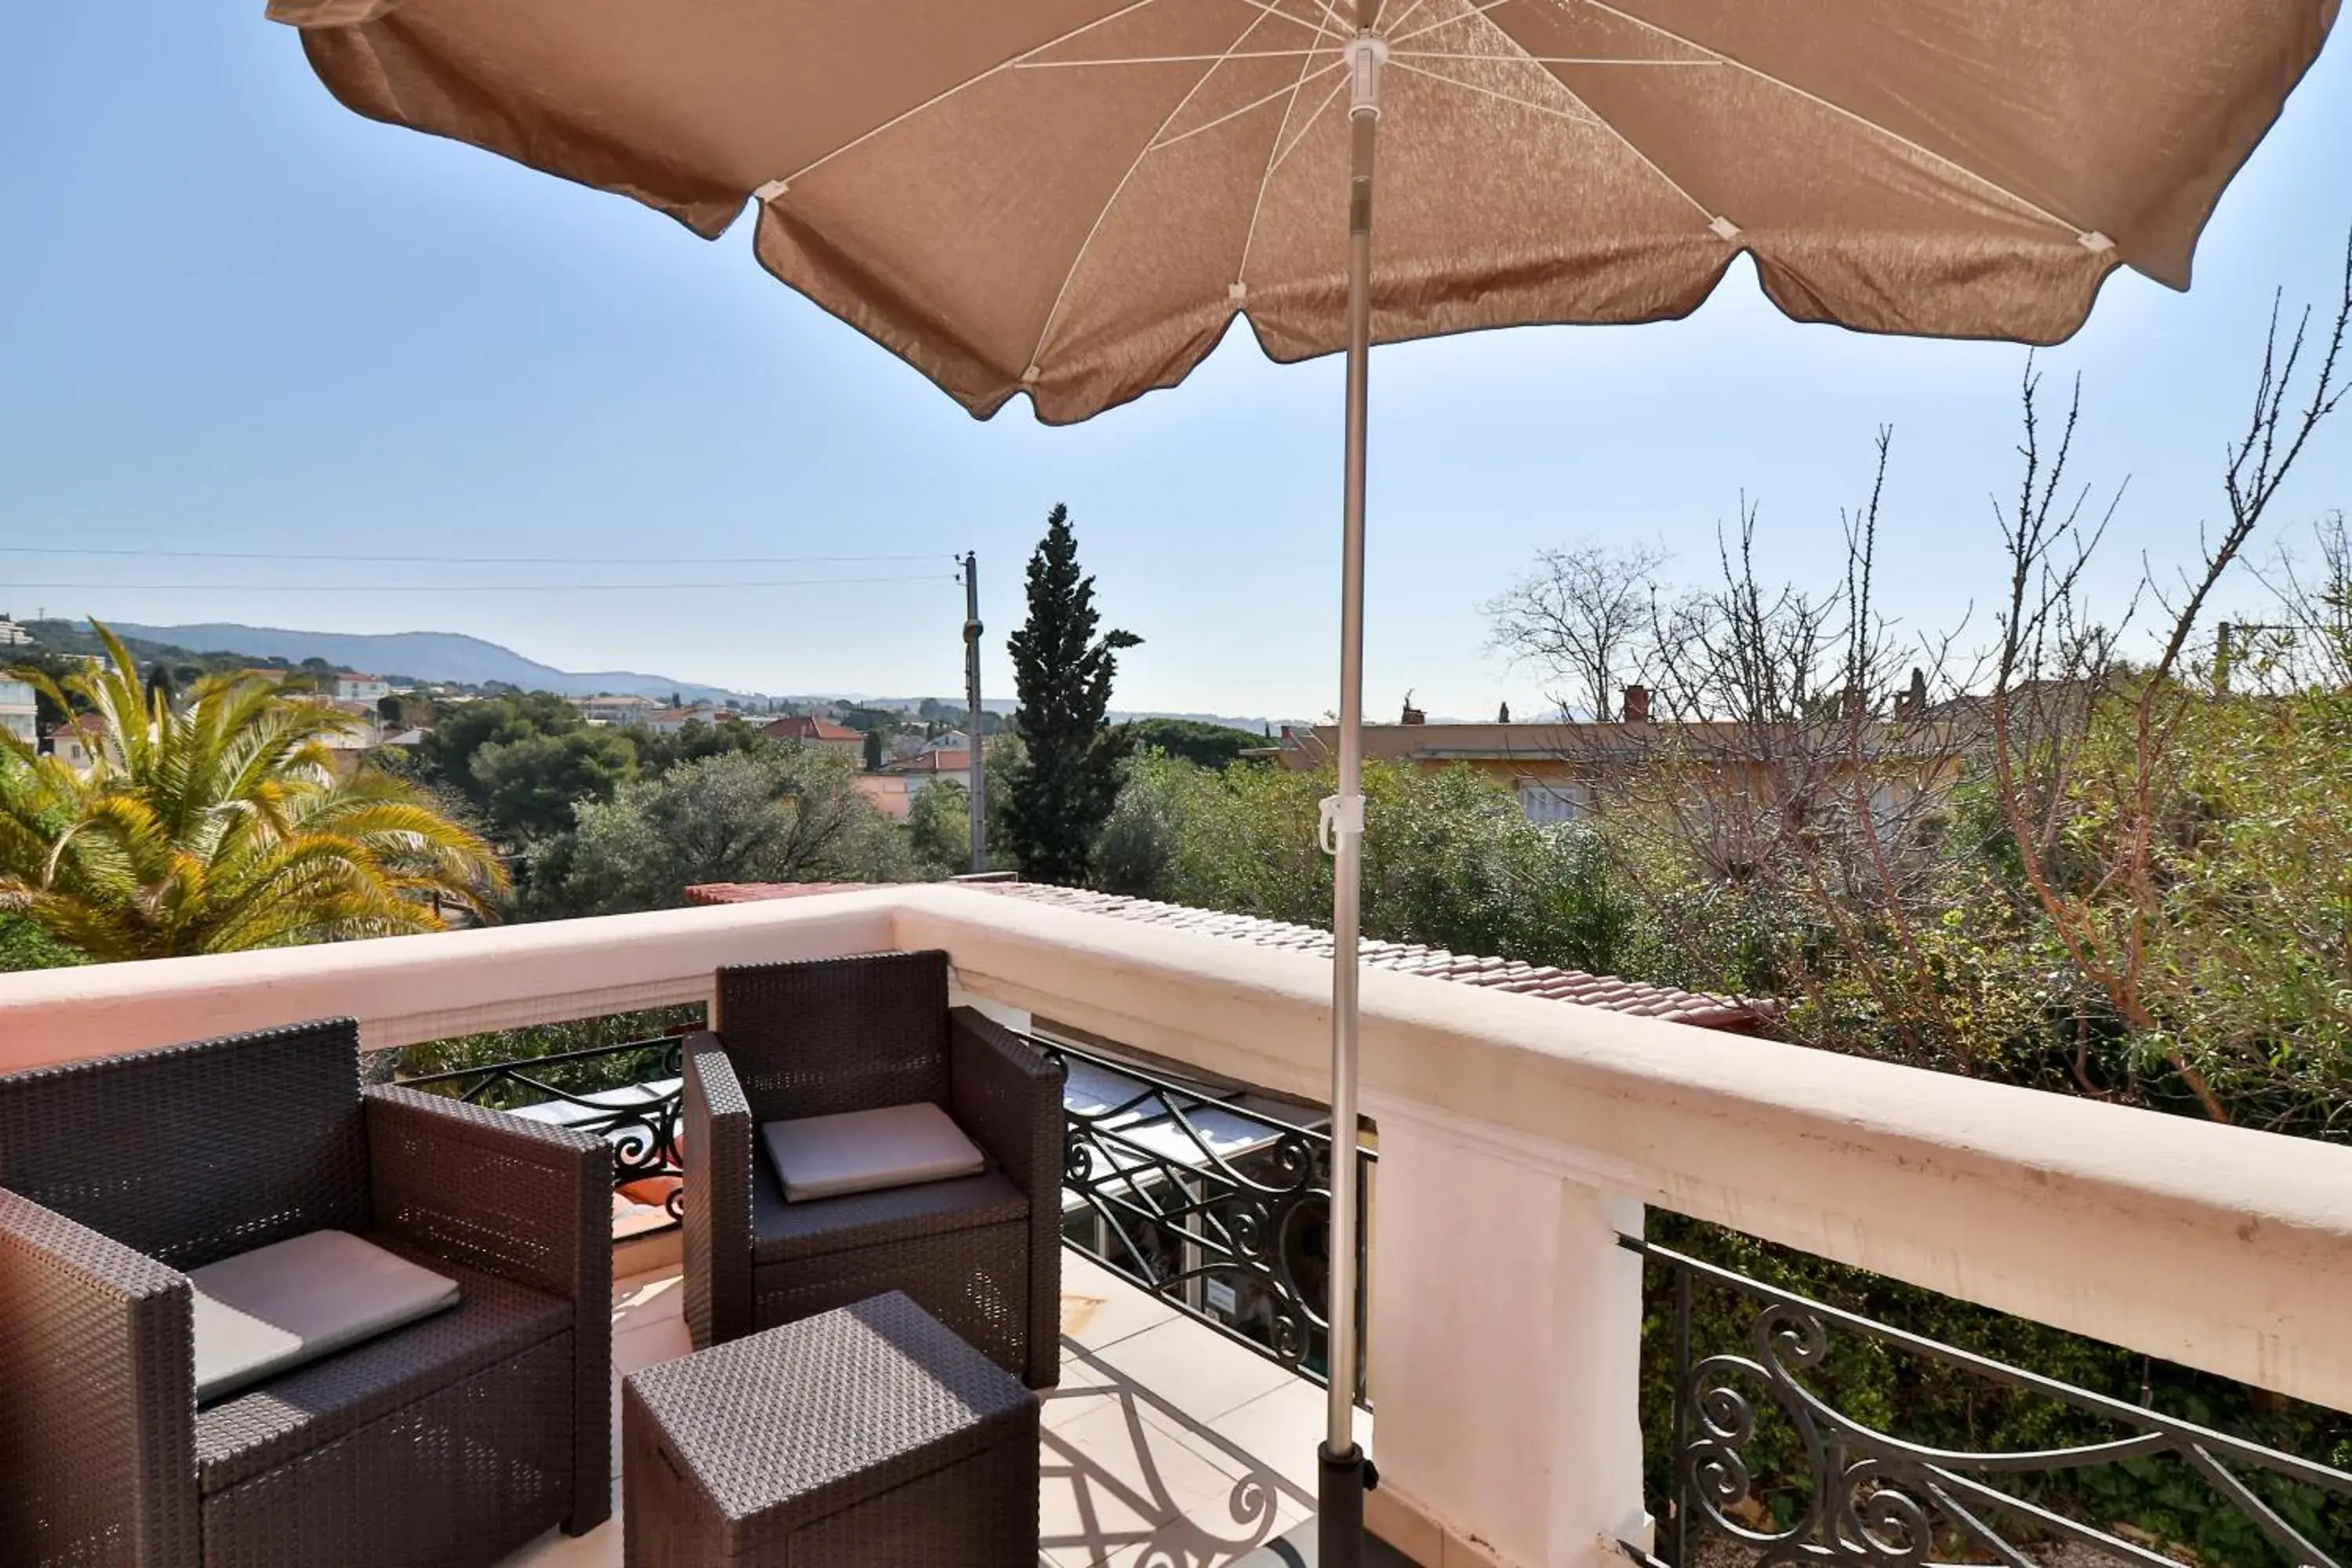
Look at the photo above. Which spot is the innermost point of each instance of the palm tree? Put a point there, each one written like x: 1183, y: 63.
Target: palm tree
x: 216, y: 822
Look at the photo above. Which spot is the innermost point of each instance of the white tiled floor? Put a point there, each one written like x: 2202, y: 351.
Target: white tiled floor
x: 1166, y: 1443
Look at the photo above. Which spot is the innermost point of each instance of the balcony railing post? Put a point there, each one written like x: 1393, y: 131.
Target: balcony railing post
x: 1508, y: 1352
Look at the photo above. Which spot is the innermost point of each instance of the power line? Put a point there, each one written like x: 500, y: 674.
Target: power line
x: 472, y: 560
x: 477, y: 587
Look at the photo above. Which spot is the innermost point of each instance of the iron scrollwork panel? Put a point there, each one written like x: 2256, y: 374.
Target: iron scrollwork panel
x: 1183, y: 1209
x: 1872, y: 1497
x: 643, y: 1133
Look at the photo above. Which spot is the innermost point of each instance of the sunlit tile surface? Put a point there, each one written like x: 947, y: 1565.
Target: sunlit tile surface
x: 1165, y: 1444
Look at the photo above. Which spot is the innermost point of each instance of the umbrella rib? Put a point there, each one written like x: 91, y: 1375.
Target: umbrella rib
x: 1528, y: 104
x: 1265, y: 177
x: 943, y: 95
x: 1254, y: 104
x: 1273, y: 10
x: 1521, y: 51
x: 1054, y: 314
x: 1179, y: 59
x: 1382, y: 25
x: 1862, y: 120
x: 1333, y: 16
x: 1479, y: 10
x: 1552, y: 59
x: 1328, y: 99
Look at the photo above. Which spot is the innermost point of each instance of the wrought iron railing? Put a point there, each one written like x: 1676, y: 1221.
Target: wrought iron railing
x: 642, y: 1129
x: 1868, y: 1496
x: 1221, y: 1211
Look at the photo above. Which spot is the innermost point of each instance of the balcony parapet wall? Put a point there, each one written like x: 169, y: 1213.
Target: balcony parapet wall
x: 2218, y: 1247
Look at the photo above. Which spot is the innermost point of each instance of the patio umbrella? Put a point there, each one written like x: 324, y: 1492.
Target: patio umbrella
x: 1076, y: 199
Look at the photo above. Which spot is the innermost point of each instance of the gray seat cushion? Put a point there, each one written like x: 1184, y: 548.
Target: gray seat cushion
x: 868, y: 1151
x: 275, y: 1422
x: 782, y: 1231
x: 300, y: 1300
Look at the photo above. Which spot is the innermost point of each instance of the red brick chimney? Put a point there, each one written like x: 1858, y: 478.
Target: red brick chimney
x: 1637, y: 705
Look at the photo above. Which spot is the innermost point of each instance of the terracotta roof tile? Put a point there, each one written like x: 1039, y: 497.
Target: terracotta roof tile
x: 811, y: 727
x: 758, y: 892
x: 1735, y: 1014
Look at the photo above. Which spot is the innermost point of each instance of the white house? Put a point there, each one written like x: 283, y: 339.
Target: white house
x: 78, y: 741
x: 624, y: 709
x: 353, y: 687
x: 17, y: 709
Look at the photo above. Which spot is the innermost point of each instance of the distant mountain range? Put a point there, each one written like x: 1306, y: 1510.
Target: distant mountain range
x: 423, y: 655
x: 454, y: 656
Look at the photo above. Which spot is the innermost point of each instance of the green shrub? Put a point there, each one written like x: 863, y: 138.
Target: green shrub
x: 598, y: 1073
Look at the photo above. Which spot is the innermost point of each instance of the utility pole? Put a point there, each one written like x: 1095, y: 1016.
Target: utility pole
x: 979, y: 790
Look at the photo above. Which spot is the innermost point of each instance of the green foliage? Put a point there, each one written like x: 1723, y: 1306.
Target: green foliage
x: 939, y: 829
x: 1241, y: 840
x: 937, y: 715
x: 1002, y: 764
x: 2231, y: 951
x: 2249, y: 916
x: 886, y: 720
x: 531, y: 787
x: 450, y: 755
x: 2254, y: 882
x: 219, y: 822
x: 783, y: 814
x: 615, y: 1072
x: 25, y: 945
x: 1449, y: 859
x: 1207, y: 745
x: 1063, y: 671
x: 50, y: 668
x: 693, y: 741
x: 407, y: 711
x: 872, y: 752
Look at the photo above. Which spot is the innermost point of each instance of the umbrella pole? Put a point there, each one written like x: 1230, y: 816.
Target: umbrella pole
x: 1340, y: 1530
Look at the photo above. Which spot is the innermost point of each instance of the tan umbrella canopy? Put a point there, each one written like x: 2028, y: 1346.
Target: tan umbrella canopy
x: 975, y: 185
x: 1076, y: 199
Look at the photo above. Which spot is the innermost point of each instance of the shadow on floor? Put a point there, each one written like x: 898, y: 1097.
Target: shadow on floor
x: 1123, y: 1496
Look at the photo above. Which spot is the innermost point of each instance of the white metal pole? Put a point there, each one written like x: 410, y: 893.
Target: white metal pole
x: 1340, y: 1505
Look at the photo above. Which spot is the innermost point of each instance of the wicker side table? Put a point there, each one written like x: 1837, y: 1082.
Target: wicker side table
x: 866, y: 1437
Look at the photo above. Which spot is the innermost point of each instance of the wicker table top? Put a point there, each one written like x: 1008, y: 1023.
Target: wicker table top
x: 799, y: 1421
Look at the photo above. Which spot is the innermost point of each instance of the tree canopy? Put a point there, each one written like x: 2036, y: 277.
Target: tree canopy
x: 939, y: 829
x: 781, y: 814
x: 1449, y: 859
x: 1208, y: 745
x: 1063, y: 672
x: 218, y: 822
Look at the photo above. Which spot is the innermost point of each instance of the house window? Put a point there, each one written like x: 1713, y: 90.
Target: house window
x: 1555, y: 803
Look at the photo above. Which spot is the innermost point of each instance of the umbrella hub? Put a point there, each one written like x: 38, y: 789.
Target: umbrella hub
x: 1367, y: 52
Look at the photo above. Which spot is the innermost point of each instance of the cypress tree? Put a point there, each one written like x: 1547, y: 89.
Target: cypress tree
x: 1061, y: 672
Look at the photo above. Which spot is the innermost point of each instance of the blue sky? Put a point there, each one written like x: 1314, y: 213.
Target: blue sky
x: 234, y: 317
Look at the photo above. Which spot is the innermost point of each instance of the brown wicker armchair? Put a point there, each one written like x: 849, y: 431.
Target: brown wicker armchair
x: 982, y: 1254
x: 450, y: 1442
